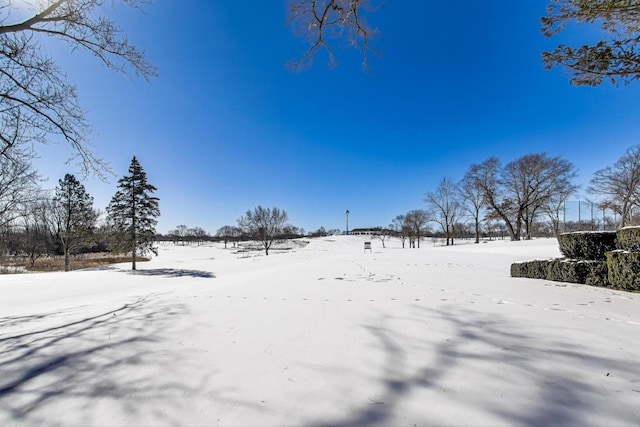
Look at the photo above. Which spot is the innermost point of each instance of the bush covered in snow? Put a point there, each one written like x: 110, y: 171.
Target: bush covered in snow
x: 629, y: 239
x: 562, y: 270
x: 624, y: 270
x: 592, y: 245
x: 591, y: 259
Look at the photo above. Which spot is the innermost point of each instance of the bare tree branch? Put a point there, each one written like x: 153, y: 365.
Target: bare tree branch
x: 320, y: 21
x: 37, y: 103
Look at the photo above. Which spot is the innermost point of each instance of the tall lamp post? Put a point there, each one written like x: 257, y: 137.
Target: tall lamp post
x: 346, y: 214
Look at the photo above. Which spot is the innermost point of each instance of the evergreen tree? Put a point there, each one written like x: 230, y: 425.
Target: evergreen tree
x: 132, y: 214
x: 73, y: 215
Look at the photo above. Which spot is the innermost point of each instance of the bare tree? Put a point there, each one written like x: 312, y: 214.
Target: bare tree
x: 472, y: 201
x: 401, y: 227
x: 37, y: 235
x: 536, y: 179
x: 619, y: 184
x: 37, y: 103
x: 181, y: 232
x: 18, y: 187
x: 444, y: 203
x: 417, y: 220
x: 264, y: 224
x: 486, y: 177
x: 318, y: 21
x: 517, y: 193
x: 199, y: 235
x: 225, y: 233
x: 555, y: 207
x: 381, y: 234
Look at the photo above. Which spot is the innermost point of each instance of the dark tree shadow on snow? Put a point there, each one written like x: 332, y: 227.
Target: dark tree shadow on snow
x: 121, y: 355
x: 174, y: 272
x: 560, y: 399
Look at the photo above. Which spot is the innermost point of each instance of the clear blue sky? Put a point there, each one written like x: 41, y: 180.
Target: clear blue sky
x: 226, y: 127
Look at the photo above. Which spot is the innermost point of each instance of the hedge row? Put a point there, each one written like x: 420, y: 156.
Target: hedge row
x: 629, y: 239
x: 587, y: 245
x: 624, y: 270
x: 560, y: 270
x: 620, y: 271
x: 592, y: 260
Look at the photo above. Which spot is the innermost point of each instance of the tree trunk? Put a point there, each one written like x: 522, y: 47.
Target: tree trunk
x: 477, y: 230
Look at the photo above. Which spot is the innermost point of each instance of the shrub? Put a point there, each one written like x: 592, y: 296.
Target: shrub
x: 598, y: 274
x: 587, y: 245
x: 629, y: 239
x: 560, y: 270
x: 530, y: 269
x: 624, y: 270
x: 568, y: 271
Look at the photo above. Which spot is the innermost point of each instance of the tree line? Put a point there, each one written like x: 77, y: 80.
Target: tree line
x: 40, y: 106
x: 36, y: 222
x: 519, y: 196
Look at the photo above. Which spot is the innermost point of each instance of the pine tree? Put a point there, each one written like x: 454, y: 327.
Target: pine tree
x: 133, y: 212
x: 74, y: 216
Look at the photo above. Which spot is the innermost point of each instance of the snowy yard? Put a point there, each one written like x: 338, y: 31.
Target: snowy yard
x: 321, y: 335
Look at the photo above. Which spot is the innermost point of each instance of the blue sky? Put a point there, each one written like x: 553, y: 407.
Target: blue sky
x: 226, y: 127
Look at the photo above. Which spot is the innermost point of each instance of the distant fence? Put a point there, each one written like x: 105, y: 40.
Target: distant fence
x: 585, y: 215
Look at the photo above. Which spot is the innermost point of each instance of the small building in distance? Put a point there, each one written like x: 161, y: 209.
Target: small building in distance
x: 371, y: 231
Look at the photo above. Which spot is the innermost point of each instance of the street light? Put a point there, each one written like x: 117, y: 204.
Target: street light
x: 347, y: 215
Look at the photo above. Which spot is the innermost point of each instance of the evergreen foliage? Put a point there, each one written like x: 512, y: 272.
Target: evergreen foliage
x: 624, y: 270
x: 629, y: 239
x: 74, y: 216
x: 614, y: 59
x: 536, y: 269
x: 598, y: 274
x: 132, y: 214
x: 587, y: 245
x: 560, y: 270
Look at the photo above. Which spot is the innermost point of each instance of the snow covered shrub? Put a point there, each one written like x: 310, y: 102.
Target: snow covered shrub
x: 624, y: 270
x: 629, y: 239
x: 560, y: 270
x: 587, y: 245
x: 568, y: 271
x: 598, y: 274
x: 530, y: 269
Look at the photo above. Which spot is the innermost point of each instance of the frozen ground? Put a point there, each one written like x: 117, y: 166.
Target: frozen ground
x: 323, y: 335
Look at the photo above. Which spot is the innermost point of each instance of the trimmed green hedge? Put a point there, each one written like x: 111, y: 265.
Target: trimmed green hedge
x: 593, y: 273
x: 624, y: 270
x: 530, y: 269
x: 591, y: 245
x: 629, y: 239
x: 598, y: 274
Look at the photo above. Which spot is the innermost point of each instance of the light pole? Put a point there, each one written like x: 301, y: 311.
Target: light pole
x: 346, y: 214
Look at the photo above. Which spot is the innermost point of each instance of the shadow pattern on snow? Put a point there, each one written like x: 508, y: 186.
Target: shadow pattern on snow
x: 118, y: 357
x: 174, y: 272
x: 558, y: 397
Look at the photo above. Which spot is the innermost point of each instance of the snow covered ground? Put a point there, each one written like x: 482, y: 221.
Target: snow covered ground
x: 326, y: 335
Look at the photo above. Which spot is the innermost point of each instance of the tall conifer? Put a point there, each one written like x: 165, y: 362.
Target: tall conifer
x: 133, y: 212
x: 74, y: 215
